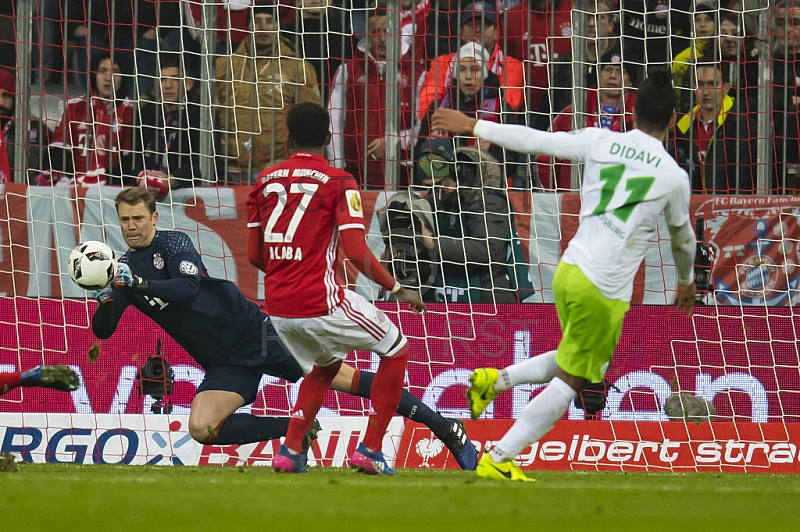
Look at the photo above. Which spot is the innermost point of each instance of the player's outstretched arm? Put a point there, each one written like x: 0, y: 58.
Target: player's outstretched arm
x: 356, y: 250
x: 522, y: 139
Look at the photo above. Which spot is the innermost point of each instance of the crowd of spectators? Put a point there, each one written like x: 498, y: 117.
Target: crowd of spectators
x: 139, y: 66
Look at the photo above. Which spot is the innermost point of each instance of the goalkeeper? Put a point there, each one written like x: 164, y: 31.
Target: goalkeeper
x: 629, y: 180
x: 163, y: 276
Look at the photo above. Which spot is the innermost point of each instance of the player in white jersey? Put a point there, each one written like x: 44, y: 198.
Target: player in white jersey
x: 629, y: 180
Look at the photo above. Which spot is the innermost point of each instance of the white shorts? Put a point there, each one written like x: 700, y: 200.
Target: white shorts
x: 356, y: 325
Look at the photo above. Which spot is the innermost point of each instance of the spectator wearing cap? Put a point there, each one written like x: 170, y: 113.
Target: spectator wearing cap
x: 537, y: 32
x: 712, y: 143
x: 358, y: 106
x: 474, y: 90
x: 478, y: 25
x: 254, y: 88
x: 609, y: 106
x: 7, y: 95
x: 704, y: 22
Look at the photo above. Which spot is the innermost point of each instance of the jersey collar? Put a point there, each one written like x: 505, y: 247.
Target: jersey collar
x: 308, y: 155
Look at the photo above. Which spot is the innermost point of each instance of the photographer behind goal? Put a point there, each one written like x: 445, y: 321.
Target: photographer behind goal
x: 462, y: 246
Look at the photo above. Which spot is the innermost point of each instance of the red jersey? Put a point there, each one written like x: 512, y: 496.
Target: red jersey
x: 537, y: 38
x: 301, y: 205
x: 97, y: 136
x: 5, y: 167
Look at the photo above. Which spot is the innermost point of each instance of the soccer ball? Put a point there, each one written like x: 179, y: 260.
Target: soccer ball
x: 91, y: 265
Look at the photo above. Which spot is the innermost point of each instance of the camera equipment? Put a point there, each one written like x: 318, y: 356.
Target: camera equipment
x: 406, y: 257
x: 703, y: 262
x: 156, y: 378
x: 592, y: 399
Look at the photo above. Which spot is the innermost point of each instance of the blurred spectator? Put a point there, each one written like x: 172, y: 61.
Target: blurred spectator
x: 358, y: 108
x: 166, y: 146
x: 608, y: 106
x: 712, y: 143
x: 704, y: 22
x: 254, y: 88
x: 441, y: 30
x: 600, y: 39
x: 135, y: 30
x: 473, y: 235
x: 8, y: 91
x: 655, y: 30
x: 537, y: 32
x: 36, y: 137
x: 474, y: 90
x: 319, y: 33
x: 231, y: 22
x: 479, y: 25
x: 785, y: 32
x: 414, y: 28
x: 731, y: 49
x: 94, y: 132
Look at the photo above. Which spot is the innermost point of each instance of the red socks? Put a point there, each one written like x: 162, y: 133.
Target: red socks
x: 309, y: 399
x: 9, y: 381
x: 387, y: 388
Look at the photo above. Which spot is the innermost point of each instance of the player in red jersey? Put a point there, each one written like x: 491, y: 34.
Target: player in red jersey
x: 298, y: 212
x: 95, y: 131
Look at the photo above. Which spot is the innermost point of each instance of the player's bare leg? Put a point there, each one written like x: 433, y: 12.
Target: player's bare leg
x: 535, y: 420
x: 487, y: 383
x: 450, y: 431
x: 212, y: 421
x: 61, y: 378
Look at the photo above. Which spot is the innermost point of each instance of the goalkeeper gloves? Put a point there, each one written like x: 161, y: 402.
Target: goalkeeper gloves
x: 125, y: 279
x: 104, y: 296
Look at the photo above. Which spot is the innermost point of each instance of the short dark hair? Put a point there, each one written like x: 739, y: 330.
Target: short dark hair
x: 719, y: 66
x: 134, y: 196
x: 308, y: 124
x: 170, y: 60
x: 730, y: 16
x: 266, y: 8
x: 656, y: 100
x: 94, y: 67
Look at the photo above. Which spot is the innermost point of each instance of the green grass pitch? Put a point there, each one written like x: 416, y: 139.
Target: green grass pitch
x: 73, y: 497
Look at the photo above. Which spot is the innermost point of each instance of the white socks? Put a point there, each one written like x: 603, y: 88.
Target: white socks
x: 538, y: 369
x: 536, y: 419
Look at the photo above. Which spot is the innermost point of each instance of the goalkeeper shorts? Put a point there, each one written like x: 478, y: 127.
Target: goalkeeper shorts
x: 591, y: 324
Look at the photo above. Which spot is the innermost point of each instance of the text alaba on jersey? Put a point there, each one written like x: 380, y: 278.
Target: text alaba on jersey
x: 300, y: 252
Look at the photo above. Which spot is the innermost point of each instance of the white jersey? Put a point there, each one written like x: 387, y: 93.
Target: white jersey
x: 629, y: 180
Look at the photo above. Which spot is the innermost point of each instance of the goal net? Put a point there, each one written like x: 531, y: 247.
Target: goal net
x: 188, y: 98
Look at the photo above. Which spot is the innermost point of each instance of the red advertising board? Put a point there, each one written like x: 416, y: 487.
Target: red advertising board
x: 626, y: 446
x: 744, y: 360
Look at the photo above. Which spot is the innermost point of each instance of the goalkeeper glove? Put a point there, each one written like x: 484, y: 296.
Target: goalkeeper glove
x: 104, y: 296
x: 125, y: 279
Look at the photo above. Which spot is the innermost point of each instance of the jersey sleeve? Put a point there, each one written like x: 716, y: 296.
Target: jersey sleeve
x: 350, y: 211
x: 253, y: 207
x: 677, y: 208
x: 574, y: 146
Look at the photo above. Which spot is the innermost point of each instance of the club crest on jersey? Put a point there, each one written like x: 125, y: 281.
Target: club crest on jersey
x: 158, y: 261
x: 354, y: 203
x: 187, y: 267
